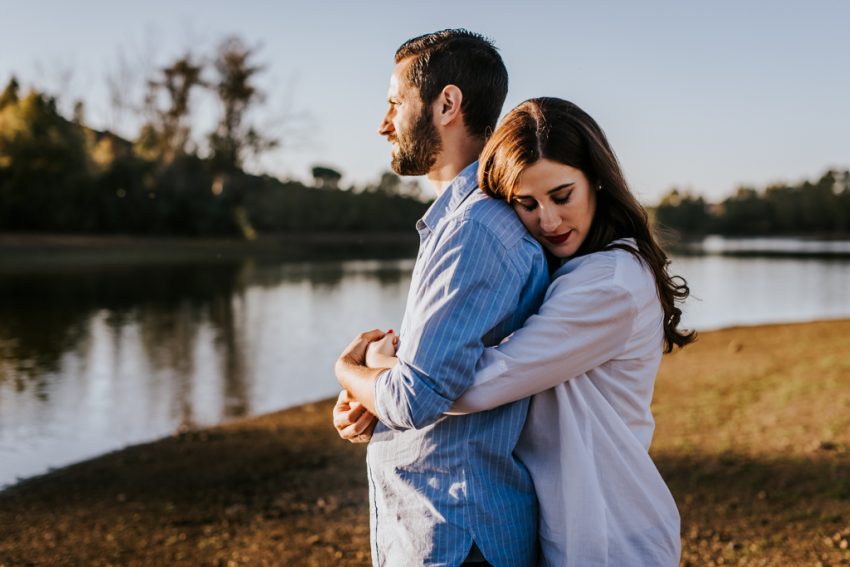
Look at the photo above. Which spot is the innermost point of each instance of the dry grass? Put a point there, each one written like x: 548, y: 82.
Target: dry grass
x: 753, y: 437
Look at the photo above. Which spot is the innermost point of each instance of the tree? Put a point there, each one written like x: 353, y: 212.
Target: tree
x: 745, y: 213
x: 326, y: 177
x: 392, y: 185
x: 79, y: 117
x: 683, y: 212
x: 167, y: 133
x: 783, y: 202
x: 235, y: 138
x: 10, y: 93
x: 44, y: 172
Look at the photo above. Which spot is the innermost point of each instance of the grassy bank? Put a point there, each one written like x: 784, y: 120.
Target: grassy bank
x: 753, y: 436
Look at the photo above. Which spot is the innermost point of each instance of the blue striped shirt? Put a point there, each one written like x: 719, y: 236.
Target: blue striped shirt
x: 439, y: 483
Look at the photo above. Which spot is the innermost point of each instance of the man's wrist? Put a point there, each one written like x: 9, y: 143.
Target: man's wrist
x: 346, y: 372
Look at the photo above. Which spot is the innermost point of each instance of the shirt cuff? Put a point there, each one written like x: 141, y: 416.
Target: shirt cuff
x: 380, y: 386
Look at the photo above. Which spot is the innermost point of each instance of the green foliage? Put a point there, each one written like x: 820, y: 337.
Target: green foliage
x: 59, y: 175
x: 391, y: 184
x: 291, y: 207
x: 810, y: 208
x: 10, y: 93
x: 746, y: 212
x: 126, y: 201
x: 684, y: 212
x: 326, y: 177
x: 44, y: 168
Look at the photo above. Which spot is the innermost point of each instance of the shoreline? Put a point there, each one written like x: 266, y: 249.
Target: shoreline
x: 45, y: 249
x: 753, y: 437
x: 24, y: 246
x: 72, y: 241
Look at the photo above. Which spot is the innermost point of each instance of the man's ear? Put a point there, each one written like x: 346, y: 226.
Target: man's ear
x: 447, y: 105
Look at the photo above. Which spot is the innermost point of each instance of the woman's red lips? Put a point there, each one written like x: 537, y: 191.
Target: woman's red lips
x: 558, y: 239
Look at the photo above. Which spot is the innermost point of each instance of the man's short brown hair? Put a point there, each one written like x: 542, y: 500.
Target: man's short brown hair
x: 467, y: 60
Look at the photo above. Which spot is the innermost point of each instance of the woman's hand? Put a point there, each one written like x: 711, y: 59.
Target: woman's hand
x: 381, y: 353
x: 354, y: 355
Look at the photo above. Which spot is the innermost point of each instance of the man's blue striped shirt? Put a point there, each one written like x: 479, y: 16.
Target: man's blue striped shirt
x: 439, y: 483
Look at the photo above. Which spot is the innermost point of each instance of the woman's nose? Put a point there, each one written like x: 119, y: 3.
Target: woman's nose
x: 549, y: 219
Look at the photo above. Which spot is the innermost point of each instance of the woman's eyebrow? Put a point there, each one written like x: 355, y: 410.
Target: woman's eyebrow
x: 562, y: 186
x: 549, y: 192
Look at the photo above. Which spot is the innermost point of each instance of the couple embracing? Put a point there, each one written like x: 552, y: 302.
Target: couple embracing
x: 509, y: 420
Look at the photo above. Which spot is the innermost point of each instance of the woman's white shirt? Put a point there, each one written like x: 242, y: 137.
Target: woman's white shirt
x: 589, y: 359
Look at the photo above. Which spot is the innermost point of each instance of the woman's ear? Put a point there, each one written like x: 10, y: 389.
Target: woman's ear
x: 447, y: 105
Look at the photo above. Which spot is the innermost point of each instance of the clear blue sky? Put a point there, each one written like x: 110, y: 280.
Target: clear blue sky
x: 705, y: 95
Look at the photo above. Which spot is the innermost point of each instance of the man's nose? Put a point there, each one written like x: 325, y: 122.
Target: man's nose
x: 386, y: 126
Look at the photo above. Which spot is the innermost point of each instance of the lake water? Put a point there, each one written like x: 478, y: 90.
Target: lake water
x: 97, y: 357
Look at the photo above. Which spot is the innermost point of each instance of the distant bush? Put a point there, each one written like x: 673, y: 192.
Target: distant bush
x: 810, y: 208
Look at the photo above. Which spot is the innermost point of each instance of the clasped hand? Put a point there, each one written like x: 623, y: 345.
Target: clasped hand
x: 373, y: 349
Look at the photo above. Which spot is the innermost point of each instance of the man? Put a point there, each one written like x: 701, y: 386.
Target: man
x: 447, y: 490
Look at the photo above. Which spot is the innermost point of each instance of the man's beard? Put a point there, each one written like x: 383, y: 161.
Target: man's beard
x: 417, y: 149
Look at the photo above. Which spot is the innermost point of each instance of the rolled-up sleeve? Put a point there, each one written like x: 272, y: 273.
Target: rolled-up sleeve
x: 581, y: 325
x: 468, y: 286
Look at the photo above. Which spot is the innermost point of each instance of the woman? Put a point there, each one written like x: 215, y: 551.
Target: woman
x: 590, y: 356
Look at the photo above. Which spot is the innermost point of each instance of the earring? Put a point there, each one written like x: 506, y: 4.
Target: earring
x: 599, y: 187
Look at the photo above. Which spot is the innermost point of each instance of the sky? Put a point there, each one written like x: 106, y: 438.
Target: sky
x: 704, y: 96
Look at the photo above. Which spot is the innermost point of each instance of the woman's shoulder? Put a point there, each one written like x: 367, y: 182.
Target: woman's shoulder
x: 612, y: 266
x: 614, y: 274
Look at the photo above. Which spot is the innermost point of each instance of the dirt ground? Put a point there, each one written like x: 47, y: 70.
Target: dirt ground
x: 753, y: 437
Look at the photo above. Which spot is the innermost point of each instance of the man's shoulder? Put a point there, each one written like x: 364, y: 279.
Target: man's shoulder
x: 480, y: 212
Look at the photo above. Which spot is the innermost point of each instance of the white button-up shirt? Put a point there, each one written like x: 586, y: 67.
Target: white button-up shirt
x: 589, y: 358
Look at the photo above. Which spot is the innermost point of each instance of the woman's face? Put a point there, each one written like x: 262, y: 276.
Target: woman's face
x: 556, y: 204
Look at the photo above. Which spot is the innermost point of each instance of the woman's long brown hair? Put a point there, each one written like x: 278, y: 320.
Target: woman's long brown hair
x: 560, y: 131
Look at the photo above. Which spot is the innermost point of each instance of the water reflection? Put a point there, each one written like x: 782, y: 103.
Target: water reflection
x: 93, y: 359
x: 728, y: 291
x: 47, y: 315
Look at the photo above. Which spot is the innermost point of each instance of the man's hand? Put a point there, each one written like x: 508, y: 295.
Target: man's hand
x: 352, y: 421
x: 354, y: 376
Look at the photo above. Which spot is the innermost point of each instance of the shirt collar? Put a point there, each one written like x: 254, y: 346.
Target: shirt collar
x: 456, y: 193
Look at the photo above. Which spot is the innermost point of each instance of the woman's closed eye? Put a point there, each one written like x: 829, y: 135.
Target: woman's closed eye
x: 527, y: 205
x: 557, y: 198
x: 562, y: 199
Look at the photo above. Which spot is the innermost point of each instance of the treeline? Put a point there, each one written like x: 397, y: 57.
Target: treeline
x: 819, y: 208
x: 58, y: 174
